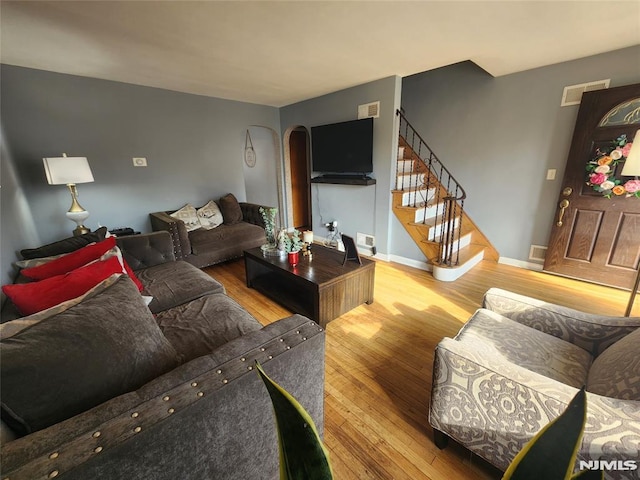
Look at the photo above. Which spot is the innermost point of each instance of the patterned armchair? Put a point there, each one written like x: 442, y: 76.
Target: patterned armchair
x: 516, y: 364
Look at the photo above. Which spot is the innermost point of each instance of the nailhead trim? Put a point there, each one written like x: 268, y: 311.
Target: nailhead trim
x: 111, y: 433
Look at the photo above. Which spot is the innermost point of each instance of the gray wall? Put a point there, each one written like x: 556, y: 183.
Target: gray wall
x: 193, y: 144
x: 17, y: 227
x: 261, y: 180
x: 364, y: 209
x: 498, y: 137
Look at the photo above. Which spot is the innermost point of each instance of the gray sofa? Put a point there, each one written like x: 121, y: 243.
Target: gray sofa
x: 208, y: 416
x: 516, y: 364
x: 243, y: 228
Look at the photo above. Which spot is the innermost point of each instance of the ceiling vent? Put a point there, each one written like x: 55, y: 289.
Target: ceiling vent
x: 369, y: 110
x: 573, y: 93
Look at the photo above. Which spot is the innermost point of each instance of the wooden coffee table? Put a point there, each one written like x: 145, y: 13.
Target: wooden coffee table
x: 321, y: 289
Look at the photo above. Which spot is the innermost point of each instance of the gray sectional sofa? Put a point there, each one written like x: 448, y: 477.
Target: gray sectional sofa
x: 193, y: 406
x: 243, y: 228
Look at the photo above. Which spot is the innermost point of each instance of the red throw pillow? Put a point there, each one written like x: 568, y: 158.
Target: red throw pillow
x: 70, y: 261
x: 132, y: 275
x: 34, y: 297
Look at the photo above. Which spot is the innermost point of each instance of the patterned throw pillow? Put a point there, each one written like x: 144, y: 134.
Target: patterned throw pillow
x: 189, y: 216
x: 616, y: 371
x: 210, y: 216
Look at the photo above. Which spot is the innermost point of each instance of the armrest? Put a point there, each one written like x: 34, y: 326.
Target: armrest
x: 210, y: 417
x: 251, y: 213
x: 476, y: 395
x: 177, y: 229
x: 592, y: 332
x: 147, y: 250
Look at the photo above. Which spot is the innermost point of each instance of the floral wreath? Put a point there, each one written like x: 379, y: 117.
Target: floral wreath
x: 600, y: 170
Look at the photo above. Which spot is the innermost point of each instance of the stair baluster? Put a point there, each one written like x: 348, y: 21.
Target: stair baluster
x: 431, y: 173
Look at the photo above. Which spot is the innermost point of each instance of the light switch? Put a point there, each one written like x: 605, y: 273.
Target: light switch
x: 139, y: 162
x: 551, y: 174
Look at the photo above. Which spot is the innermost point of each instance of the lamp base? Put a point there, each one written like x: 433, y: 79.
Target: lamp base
x: 79, y: 218
x: 80, y: 230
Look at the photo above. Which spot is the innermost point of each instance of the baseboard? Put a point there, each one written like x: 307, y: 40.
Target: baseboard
x: 408, y: 262
x: 520, y: 263
x: 421, y: 265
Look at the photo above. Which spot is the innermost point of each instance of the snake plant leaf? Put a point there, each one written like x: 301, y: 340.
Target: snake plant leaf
x: 551, y: 454
x: 589, y: 475
x: 302, y: 454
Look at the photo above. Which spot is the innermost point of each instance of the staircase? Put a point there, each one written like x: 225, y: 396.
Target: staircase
x: 429, y: 203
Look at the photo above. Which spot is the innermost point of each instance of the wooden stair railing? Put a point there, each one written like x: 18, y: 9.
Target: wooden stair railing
x: 429, y: 202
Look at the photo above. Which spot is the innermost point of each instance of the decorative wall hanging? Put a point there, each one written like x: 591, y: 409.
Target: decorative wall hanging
x: 602, y: 168
x: 249, y: 152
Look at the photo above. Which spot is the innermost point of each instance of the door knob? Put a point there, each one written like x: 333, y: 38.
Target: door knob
x: 563, y: 206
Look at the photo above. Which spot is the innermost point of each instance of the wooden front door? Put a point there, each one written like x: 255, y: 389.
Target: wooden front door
x: 300, y: 179
x: 593, y: 237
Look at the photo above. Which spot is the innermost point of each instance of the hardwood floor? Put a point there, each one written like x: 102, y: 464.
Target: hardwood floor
x: 379, y: 359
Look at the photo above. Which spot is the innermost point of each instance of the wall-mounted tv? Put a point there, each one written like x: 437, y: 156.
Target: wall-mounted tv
x: 343, y: 148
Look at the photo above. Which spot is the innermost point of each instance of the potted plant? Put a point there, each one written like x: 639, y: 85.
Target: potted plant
x: 269, y: 218
x: 292, y: 245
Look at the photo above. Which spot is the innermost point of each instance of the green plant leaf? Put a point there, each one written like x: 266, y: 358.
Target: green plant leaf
x: 302, y: 454
x: 551, y: 454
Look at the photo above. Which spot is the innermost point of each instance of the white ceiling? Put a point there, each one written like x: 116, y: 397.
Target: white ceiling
x: 277, y: 53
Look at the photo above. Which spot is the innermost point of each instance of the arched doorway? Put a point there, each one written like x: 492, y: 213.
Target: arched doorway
x: 298, y: 177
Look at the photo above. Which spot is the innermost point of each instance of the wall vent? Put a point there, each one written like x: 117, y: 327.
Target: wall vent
x: 365, y: 240
x: 369, y: 110
x: 537, y: 253
x: 572, y: 95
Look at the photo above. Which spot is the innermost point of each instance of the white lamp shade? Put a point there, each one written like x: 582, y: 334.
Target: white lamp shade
x: 67, y: 170
x: 631, y: 166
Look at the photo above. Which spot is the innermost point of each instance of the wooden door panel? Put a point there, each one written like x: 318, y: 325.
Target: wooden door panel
x: 584, y: 235
x: 623, y: 254
x: 599, y: 238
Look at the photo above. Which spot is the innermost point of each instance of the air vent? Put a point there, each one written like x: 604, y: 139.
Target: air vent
x: 573, y: 93
x: 365, y: 240
x: 538, y: 253
x: 369, y: 110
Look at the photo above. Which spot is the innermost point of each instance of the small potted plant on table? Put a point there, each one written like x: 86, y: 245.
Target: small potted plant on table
x: 292, y: 245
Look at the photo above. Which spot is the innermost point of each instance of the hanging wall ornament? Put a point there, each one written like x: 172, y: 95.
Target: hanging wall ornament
x: 249, y: 152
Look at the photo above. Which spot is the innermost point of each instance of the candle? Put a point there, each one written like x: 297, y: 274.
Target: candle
x: 307, y: 236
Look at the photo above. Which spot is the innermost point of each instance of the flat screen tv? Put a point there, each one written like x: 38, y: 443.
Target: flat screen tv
x: 343, y: 148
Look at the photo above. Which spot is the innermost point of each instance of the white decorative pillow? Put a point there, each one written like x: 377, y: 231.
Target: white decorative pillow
x: 210, y: 215
x: 189, y: 216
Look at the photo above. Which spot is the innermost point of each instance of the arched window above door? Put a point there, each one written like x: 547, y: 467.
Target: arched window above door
x: 626, y: 113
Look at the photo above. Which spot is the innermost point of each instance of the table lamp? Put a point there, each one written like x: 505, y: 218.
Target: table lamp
x: 631, y: 168
x: 69, y: 171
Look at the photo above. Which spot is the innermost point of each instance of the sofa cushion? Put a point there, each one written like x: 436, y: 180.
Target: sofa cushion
x: 70, y: 261
x: 210, y: 215
x: 528, y: 348
x: 616, y: 371
x: 198, y: 327
x: 33, y: 297
x: 102, y: 347
x: 174, y: 283
x: 231, y: 211
x: 204, y: 242
x: 66, y: 245
x: 188, y: 216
